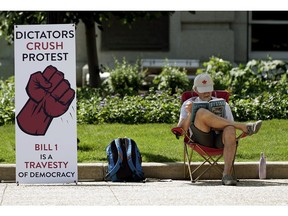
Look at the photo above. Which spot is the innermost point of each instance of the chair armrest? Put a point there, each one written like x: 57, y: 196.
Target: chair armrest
x: 178, y: 131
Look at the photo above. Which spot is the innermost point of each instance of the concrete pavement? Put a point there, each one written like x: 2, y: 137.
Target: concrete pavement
x: 165, y: 186
x: 249, y: 192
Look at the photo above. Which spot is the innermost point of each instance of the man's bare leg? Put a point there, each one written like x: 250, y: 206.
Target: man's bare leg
x: 205, y: 120
x: 229, y: 141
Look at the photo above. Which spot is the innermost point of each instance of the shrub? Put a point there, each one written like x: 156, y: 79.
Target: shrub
x: 88, y: 102
x: 172, y: 79
x: 155, y: 107
x: 266, y: 106
x: 256, y: 77
x: 248, y: 80
x: 259, y: 91
x: 219, y: 70
x: 7, y: 103
x: 124, y: 79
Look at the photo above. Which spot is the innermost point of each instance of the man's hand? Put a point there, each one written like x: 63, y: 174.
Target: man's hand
x: 188, y: 107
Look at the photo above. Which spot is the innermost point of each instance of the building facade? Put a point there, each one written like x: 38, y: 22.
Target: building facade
x: 236, y: 36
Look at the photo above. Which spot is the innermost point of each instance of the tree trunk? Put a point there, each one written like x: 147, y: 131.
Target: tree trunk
x: 93, y: 64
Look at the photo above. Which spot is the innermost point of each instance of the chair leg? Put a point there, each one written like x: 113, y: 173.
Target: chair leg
x: 212, y: 161
x: 214, y: 165
x: 186, y: 156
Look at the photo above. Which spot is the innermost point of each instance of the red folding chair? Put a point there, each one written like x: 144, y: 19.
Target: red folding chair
x: 211, y: 156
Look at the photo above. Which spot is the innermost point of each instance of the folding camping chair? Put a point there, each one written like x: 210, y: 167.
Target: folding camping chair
x: 210, y: 155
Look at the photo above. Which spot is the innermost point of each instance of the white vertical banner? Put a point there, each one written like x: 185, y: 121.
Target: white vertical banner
x: 45, y: 101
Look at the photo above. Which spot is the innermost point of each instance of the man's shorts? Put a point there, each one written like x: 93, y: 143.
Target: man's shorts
x: 210, y: 139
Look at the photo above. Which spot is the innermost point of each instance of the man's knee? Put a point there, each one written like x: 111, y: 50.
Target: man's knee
x: 201, y: 113
x: 229, y: 134
x: 230, y: 129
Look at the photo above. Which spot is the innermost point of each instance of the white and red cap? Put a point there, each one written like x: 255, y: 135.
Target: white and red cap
x: 204, y: 83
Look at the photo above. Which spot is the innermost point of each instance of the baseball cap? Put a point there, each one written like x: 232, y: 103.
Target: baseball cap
x: 204, y: 83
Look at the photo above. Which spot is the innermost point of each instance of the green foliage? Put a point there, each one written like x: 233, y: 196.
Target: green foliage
x: 124, y: 79
x: 259, y: 76
x: 248, y: 80
x: 258, y: 91
x: 88, y: 102
x: 172, y: 79
x: 10, y: 18
x: 265, y: 106
x: 155, y: 107
x: 7, y: 104
x: 219, y: 70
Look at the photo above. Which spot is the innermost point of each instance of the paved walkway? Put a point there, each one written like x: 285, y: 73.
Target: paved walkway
x: 152, y: 193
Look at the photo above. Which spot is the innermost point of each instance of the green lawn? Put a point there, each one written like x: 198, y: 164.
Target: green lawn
x: 157, y: 143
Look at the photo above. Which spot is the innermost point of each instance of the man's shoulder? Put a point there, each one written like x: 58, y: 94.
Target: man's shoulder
x: 192, y: 99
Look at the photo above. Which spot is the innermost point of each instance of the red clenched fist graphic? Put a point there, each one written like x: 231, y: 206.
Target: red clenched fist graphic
x: 50, y: 96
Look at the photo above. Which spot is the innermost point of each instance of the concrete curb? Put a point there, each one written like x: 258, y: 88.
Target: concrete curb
x: 96, y: 171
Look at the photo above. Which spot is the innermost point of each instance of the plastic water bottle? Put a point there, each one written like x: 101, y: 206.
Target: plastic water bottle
x: 262, y: 166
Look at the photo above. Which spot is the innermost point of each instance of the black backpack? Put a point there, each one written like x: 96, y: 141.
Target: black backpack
x: 124, y: 161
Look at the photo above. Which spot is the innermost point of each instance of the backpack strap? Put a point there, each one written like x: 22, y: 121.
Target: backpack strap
x: 119, y: 160
x: 130, y: 161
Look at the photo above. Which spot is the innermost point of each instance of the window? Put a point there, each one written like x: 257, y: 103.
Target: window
x: 144, y: 35
x: 268, y: 34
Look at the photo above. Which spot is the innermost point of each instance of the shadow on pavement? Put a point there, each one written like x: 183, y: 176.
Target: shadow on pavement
x: 242, y: 183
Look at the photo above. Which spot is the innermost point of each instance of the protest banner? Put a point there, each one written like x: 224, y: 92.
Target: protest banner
x: 45, y: 102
